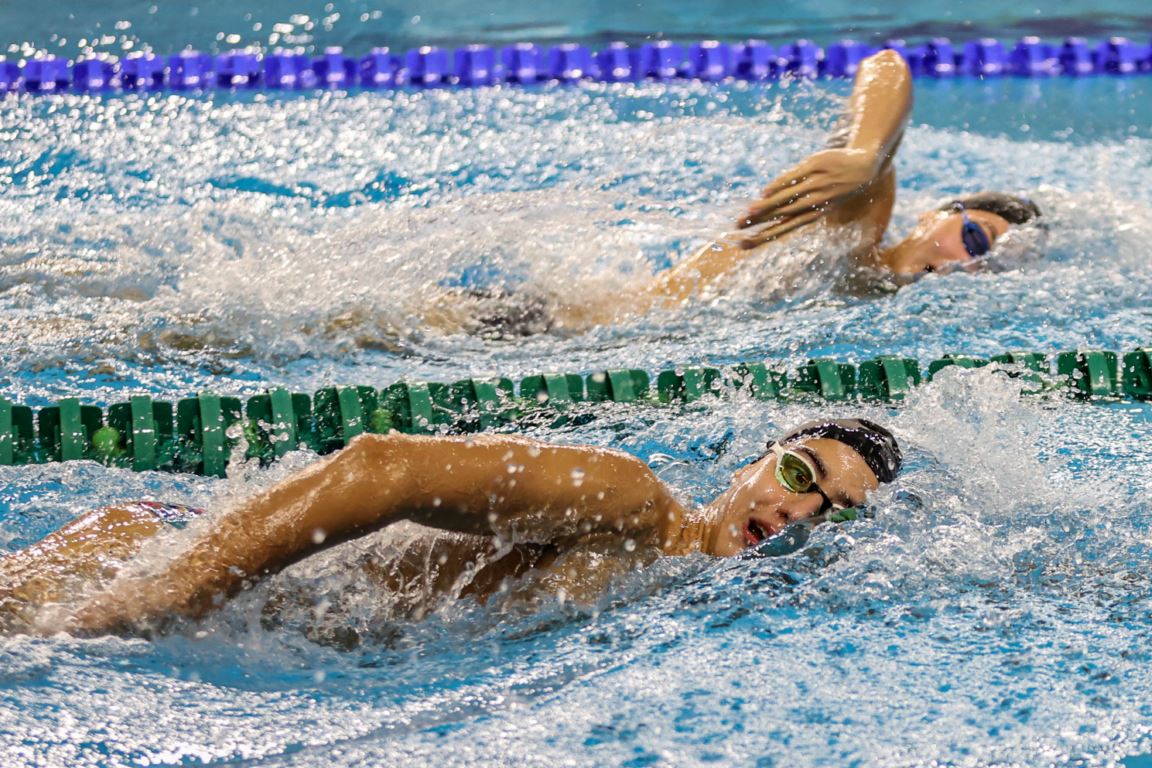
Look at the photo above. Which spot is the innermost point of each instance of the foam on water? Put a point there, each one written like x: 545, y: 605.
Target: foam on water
x: 980, y: 626
x: 243, y: 234
x: 994, y: 611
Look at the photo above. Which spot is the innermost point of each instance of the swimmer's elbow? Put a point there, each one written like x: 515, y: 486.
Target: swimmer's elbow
x: 886, y: 72
x: 375, y: 451
x: 888, y: 57
x: 377, y: 469
x: 888, y: 62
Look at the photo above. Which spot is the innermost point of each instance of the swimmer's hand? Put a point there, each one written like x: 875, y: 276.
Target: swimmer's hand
x: 110, y: 612
x: 809, y: 191
x: 139, y: 605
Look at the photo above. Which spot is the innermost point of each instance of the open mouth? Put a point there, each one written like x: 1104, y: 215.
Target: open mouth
x: 755, y: 532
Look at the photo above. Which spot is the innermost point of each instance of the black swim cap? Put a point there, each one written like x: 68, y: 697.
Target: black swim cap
x: 875, y: 444
x: 1013, y: 209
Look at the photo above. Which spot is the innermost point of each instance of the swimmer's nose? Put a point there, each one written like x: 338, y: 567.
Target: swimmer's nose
x: 803, y: 507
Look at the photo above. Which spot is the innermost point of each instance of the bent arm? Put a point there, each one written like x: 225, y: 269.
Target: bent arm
x: 495, y: 485
x: 853, y: 181
x: 879, y: 107
x: 851, y: 184
x: 877, y: 114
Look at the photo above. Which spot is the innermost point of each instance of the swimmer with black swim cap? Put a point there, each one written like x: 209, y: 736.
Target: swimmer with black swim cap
x: 959, y: 234
x: 847, y: 188
x: 850, y: 187
x: 820, y: 471
x: 502, y: 507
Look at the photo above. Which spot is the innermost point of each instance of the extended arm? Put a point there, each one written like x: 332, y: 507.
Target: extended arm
x: 852, y: 184
x: 502, y: 486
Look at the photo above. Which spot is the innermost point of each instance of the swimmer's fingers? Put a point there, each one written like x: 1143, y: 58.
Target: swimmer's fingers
x: 853, y: 166
x: 817, y: 200
x: 817, y: 193
x: 784, y: 186
x: 818, y: 189
x: 765, y: 209
x: 820, y: 181
x: 787, y: 180
x: 784, y: 190
x: 757, y: 212
x: 778, y: 229
x: 811, y: 195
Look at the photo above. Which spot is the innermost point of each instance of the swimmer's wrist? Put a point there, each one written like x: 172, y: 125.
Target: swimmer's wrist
x: 872, y: 158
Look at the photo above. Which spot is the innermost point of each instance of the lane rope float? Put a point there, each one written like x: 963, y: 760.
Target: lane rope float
x: 200, y: 434
x: 529, y: 64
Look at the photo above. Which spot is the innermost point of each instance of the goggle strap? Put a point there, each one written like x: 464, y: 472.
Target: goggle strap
x: 843, y: 515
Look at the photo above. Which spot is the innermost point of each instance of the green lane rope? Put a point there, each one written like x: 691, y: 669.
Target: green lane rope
x: 199, y: 434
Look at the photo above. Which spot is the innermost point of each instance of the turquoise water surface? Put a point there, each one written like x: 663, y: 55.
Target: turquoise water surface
x: 997, y: 609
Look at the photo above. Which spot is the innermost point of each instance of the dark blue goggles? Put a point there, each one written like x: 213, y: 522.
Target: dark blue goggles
x: 975, y: 239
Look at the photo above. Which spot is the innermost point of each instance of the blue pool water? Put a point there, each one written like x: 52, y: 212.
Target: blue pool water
x: 165, y: 244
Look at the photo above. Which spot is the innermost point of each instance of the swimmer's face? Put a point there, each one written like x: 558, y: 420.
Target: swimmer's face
x: 757, y: 505
x: 936, y: 244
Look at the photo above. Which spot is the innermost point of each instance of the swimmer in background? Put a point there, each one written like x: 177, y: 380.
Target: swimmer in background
x: 495, y: 511
x: 848, y: 187
x: 852, y: 184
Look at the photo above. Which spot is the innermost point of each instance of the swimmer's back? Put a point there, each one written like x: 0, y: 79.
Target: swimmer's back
x: 88, y: 551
